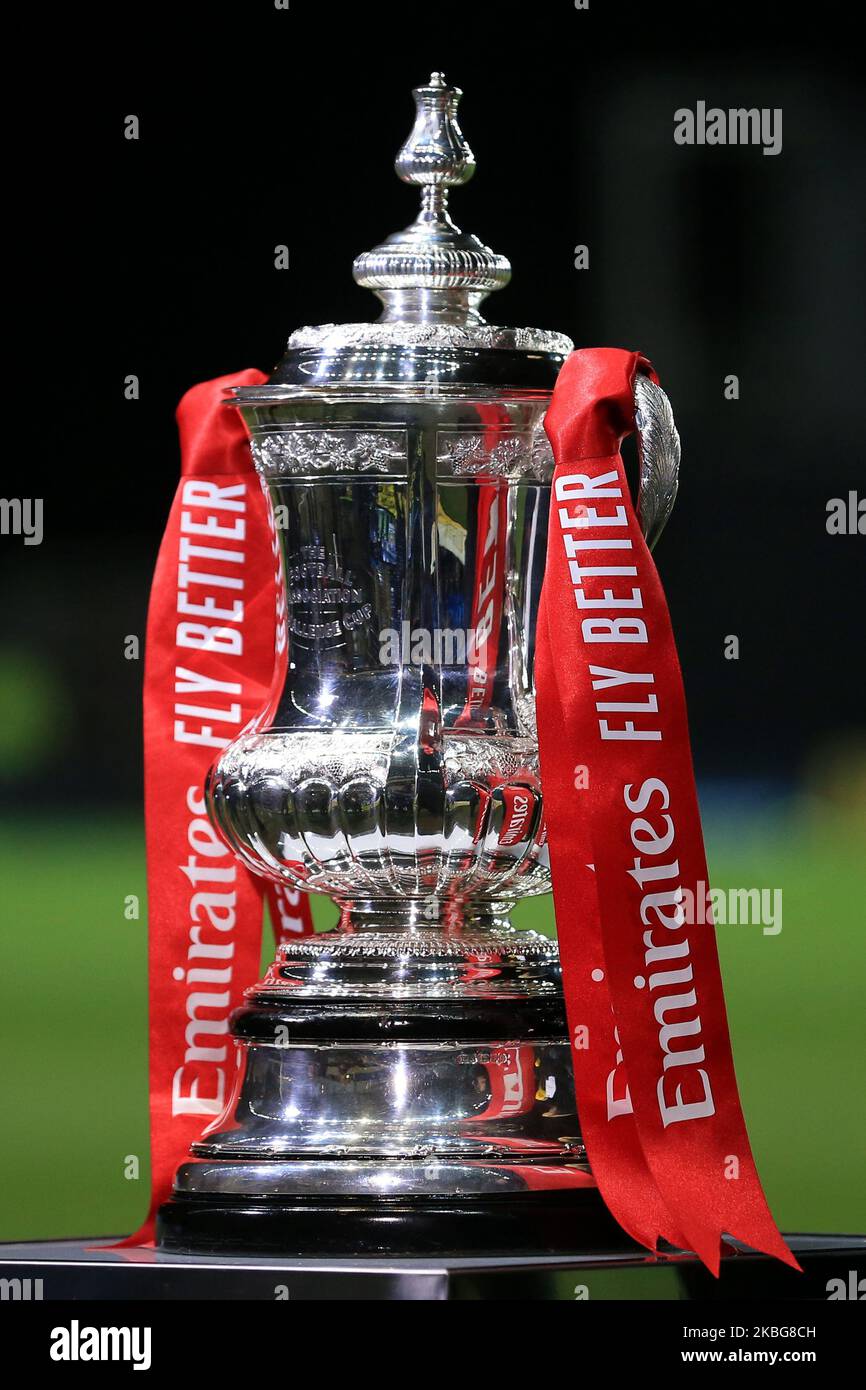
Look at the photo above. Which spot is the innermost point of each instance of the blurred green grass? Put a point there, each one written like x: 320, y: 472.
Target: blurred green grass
x: 73, y: 1020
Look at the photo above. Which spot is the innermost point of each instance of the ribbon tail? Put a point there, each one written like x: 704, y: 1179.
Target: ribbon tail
x: 657, y: 1095
x: 202, y: 684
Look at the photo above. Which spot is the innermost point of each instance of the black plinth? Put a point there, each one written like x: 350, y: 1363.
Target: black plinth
x: 531, y: 1223
x: 75, y: 1270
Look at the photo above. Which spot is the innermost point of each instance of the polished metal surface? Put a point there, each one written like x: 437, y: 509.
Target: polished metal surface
x: 392, y: 1100
x: 659, y: 450
x: 371, y: 1059
x: 420, y: 1048
x: 333, y: 336
x: 370, y: 1062
x: 417, y: 955
x: 431, y: 279
x: 432, y: 271
x: 376, y: 775
x: 435, y: 1177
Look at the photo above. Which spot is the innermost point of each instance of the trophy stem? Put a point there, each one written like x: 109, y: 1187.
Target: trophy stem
x: 416, y: 918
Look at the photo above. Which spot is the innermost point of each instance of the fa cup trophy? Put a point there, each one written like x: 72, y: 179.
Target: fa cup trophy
x: 404, y: 1081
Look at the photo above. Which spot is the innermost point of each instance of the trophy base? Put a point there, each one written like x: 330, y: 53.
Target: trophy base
x: 400, y: 1089
x: 541, y: 1223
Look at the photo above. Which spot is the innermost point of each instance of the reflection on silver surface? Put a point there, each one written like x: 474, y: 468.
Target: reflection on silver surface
x: 659, y: 450
x: 455, y: 1178
x: 389, y: 1100
x: 377, y: 773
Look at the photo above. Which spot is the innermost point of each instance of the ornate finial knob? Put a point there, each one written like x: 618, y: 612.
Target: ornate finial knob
x: 436, y: 152
x: 433, y: 272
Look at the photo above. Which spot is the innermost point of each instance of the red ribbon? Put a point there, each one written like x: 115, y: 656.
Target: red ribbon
x: 488, y: 587
x: 215, y: 623
x: 654, y: 1076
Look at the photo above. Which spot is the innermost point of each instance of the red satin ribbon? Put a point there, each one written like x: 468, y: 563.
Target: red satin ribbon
x: 488, y: 586
x: 216, y: 620
x: 656, y: 1089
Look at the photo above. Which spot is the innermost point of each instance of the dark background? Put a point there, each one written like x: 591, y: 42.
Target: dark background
x: 261, y: 127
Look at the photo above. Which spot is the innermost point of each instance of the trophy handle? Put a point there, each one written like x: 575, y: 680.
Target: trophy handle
x: 659, y: 454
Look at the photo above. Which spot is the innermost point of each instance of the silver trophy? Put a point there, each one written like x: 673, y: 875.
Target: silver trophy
x: 404, y: 1080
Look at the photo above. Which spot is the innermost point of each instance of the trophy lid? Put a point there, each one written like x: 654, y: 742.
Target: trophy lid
x: 432, y: 270
x: 431, y: 278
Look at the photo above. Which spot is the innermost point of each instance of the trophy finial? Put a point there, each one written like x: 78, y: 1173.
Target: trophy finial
x: 433, y: 272
x: 436, y: 154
